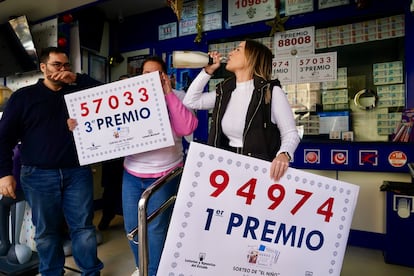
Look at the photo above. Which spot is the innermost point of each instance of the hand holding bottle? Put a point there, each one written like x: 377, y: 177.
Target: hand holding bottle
x: 216, y: 57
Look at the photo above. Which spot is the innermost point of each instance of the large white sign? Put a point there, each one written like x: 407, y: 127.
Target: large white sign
x: 120, y: 118
x: 297, y: 42
x: 243, y: 12
x: 230, y: 219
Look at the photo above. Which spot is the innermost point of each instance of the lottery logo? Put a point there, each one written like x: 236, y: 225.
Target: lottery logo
x: 339, y: 157
x: 312, y: 156
x: 397, y: 159
x: 368, y: 157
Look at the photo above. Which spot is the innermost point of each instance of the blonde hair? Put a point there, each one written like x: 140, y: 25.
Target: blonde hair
x: 259, y: 57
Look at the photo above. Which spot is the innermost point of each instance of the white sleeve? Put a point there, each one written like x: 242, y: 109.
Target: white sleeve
x: 282, y: 115
x: 195, y: 98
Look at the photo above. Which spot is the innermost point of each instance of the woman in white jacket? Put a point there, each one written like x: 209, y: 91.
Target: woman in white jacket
x: 251, y: 114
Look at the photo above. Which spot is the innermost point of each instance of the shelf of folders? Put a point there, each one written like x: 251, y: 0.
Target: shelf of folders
x: 403, y: 130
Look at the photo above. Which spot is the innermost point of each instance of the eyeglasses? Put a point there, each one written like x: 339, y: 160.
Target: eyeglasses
x: 59, y: 65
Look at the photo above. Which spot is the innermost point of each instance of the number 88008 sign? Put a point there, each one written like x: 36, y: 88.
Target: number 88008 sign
x: 230, y: 218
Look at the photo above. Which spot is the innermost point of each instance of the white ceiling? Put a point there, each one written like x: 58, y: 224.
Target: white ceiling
x: 36, y: 10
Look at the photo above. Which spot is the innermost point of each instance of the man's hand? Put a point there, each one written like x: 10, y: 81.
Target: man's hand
x: 63, y: 77
x: 72, y: 123
x: 8, y: 186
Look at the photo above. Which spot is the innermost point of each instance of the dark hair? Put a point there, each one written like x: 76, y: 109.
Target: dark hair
x: 44, y: 54
x: 122, y: 77
x: 260, y: 58
x: 156, y: 59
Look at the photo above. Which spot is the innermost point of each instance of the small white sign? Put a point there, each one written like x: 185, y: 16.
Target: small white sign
x: 298, y: 6
x: 316, y: 68
x: 188, y: 26
x: 284, y: 69
x: 323, y: 4
x: 167, y: 31
x: 212, y: 21
x: 120, y: 118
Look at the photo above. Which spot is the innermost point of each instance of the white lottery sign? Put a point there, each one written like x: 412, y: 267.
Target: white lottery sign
x: 120, y: 118
x: 230, y: 219
x: 284, y: 69
x: 297, y: 42
x: 243, y: 11
x: 316, y: 68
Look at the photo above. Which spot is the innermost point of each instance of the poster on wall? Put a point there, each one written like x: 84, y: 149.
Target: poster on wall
x: 120, y: 118
x: 293, y: 7
x: 167, y: 31
x: 243, y: 12
x: 296, y: 42
x: 231, y: 219
x: 188, y: 26
x: 188, y: 22
x: 212, y: 21
x: 211, y: 6
x: 316, y: 68
x: 323, y: 4
x: 284, y: 69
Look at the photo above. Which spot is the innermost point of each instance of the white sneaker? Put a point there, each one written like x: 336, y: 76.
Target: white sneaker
x: 136, y: 272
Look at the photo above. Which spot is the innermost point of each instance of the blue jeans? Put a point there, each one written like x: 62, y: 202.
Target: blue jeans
x: 132, y: 189
x: 55, y: 195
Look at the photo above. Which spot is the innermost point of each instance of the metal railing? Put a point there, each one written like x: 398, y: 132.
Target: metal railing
x: 143, y: 220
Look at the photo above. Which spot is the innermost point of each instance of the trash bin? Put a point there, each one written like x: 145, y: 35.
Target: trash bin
x: 399, y: 238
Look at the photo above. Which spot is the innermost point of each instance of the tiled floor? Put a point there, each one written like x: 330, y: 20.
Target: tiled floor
x: 118, y: 260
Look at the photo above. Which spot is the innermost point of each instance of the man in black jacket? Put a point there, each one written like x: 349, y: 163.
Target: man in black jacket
x: 55, y: 185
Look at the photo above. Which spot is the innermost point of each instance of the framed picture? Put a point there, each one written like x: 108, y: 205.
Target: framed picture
x: 98, y: 67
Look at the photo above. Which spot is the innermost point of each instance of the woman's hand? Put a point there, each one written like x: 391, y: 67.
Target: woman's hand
x: 166, y: 83
x: 72, y: 124
x: 279, y: 166
x: 216, y: 56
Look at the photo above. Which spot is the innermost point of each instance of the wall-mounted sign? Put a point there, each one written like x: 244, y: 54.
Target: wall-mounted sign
x: 167, y: 31
x: 316, y: 68
x: 298, y: 6
x: 284, y: 69
x: 297, y: 42
x: 243, y: 12
x: 323, y: 4
x: 305, y: 69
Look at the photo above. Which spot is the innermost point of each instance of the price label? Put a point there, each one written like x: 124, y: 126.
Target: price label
x: 120, y: 118
x: 227, y: 201
x: 248, y: 11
